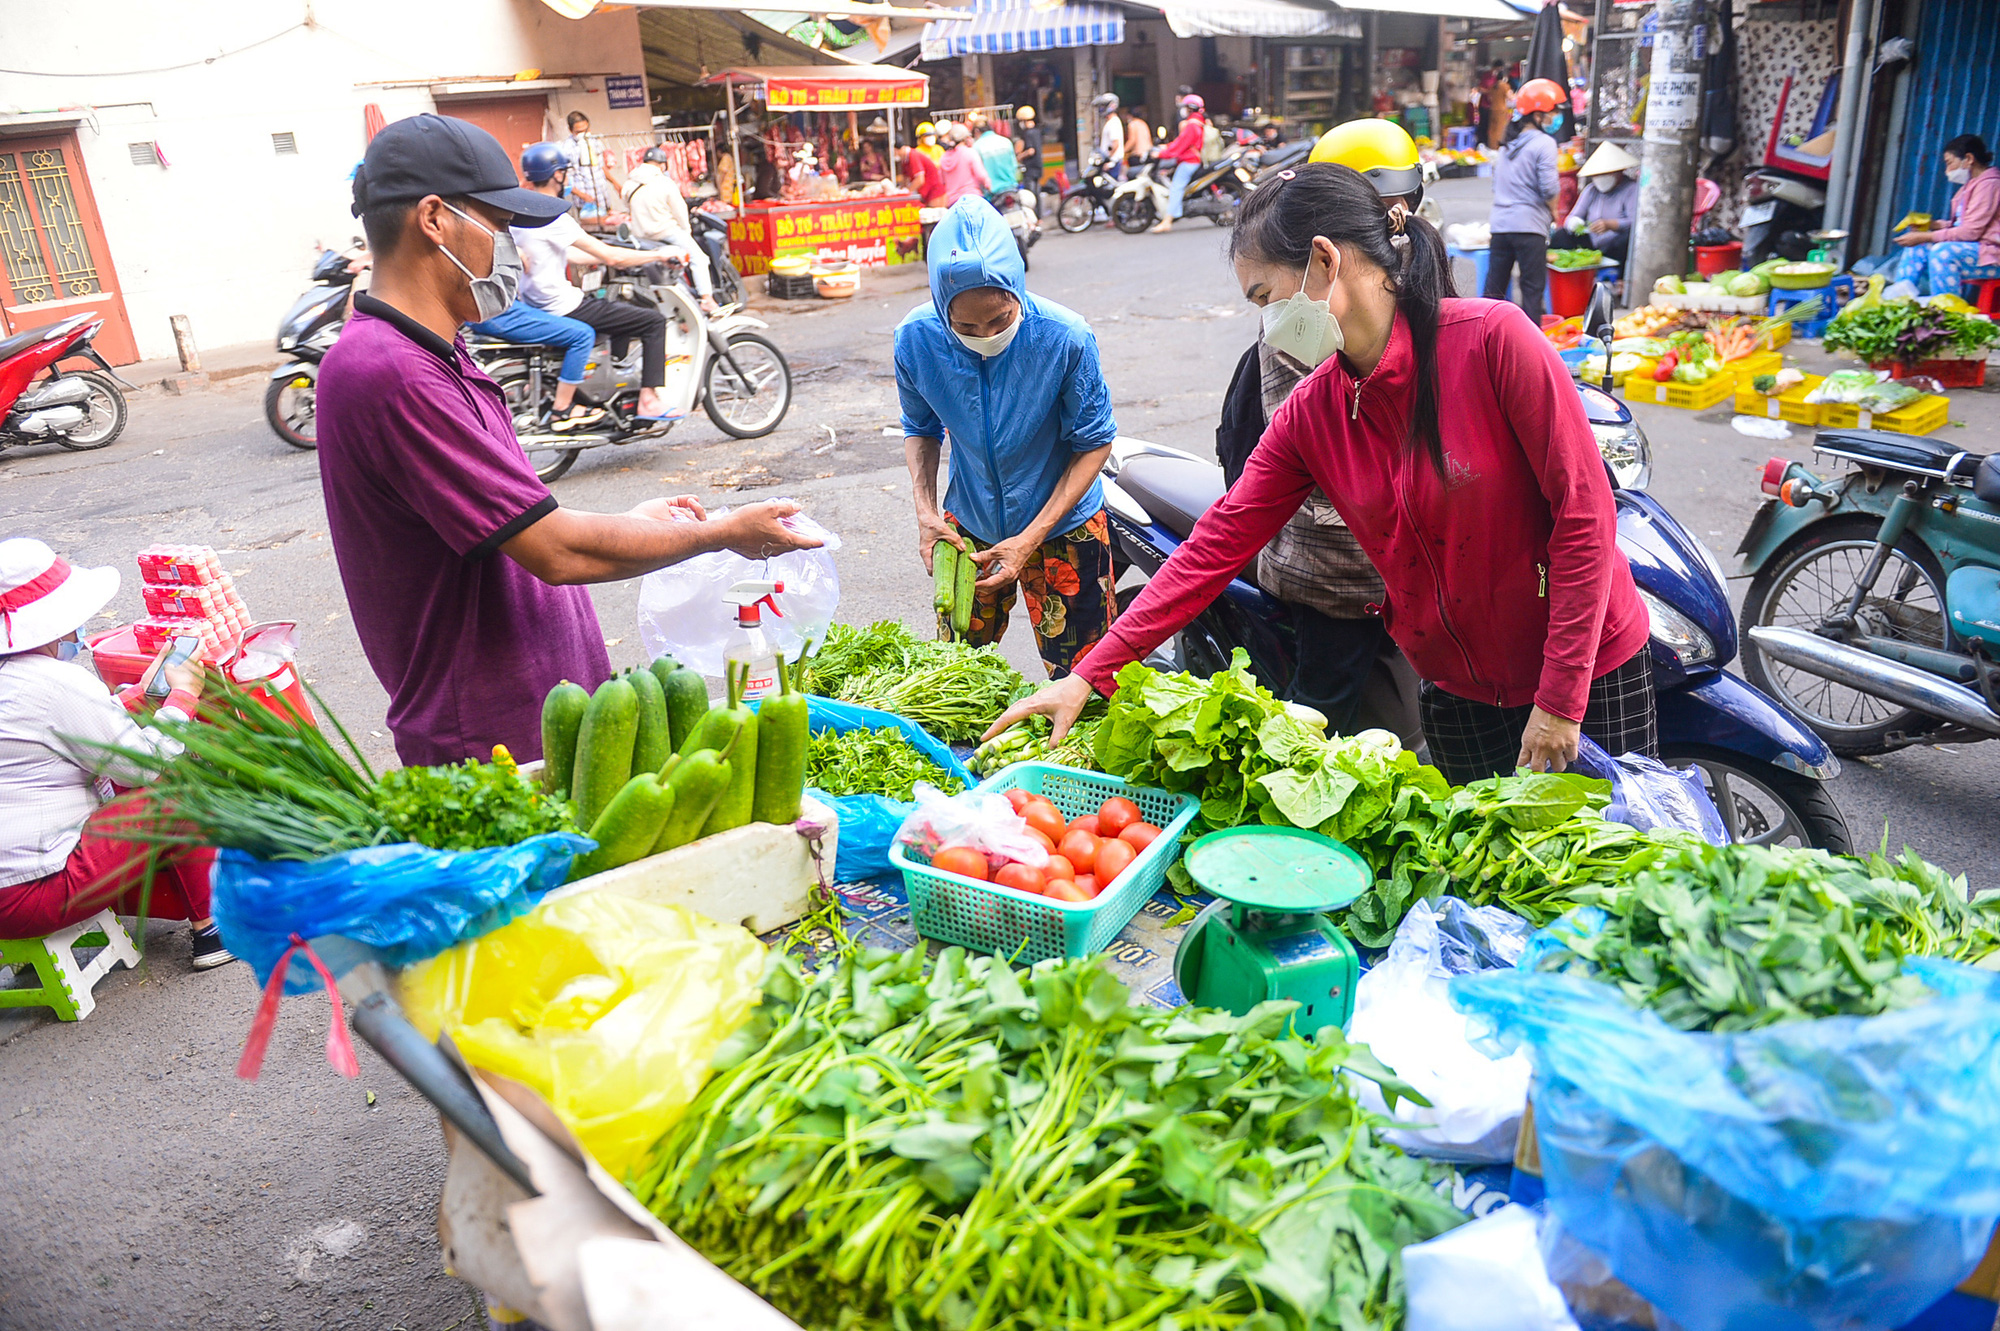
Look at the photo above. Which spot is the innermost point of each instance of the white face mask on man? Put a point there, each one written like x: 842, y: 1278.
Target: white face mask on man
x: 494, y: 292
x: 1302, y: 327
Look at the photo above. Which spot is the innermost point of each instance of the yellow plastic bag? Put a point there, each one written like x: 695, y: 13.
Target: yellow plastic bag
x: 610, y: 1008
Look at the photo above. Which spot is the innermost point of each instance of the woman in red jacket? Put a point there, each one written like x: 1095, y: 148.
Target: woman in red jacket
x: 1449, y: 438
x: 1183, y: 156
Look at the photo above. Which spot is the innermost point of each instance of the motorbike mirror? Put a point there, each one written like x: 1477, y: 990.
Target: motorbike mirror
x: 1597, y: 323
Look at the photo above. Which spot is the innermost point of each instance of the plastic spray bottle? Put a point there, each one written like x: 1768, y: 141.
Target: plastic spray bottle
x: 747, y: 644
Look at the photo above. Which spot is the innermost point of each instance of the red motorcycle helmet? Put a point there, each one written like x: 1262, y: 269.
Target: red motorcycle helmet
x: 1539, y: 95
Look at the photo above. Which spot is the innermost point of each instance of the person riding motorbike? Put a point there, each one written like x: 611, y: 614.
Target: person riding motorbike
x: 1111, y: 136
x: 1492, y: 522
x: 660, y: 214
x: 1185, y: 152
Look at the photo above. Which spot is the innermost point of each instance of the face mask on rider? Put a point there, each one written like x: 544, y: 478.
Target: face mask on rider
x: 494, y: 292
x: 1302, y: 327
x: 990, y: 347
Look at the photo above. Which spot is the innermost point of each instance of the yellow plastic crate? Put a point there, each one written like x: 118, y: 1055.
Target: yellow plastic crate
x: 1791, y: 405
x: 1776, y: 338
x: 1688, y: 397
x: 1926, y: 414
x: 1746, y: 368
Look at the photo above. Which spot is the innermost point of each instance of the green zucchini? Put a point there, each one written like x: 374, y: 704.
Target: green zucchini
x: 562, y: 717
x: 604, y: 748
x: 655, y: 740
x: 740, y: 797
x: 782, y: 734
x: 628, y: 827
x: 944, y: 577
x: 962, y: 596
x: 687, y: 697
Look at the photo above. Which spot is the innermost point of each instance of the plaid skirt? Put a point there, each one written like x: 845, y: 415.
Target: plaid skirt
x: 1471, y: 741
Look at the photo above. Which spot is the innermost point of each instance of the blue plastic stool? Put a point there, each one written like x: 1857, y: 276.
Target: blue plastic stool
x: 1461, y: 138
x: 1481, y: 261
x: 1835, y: 294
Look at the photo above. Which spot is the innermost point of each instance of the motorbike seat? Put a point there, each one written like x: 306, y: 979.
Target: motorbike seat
x: 1175, y: 491
x: 1986, y: 481
x: 20, y: 342
x: 1898, y: 452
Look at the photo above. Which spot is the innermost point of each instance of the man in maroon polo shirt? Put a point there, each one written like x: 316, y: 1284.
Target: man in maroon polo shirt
x: 463, y: 573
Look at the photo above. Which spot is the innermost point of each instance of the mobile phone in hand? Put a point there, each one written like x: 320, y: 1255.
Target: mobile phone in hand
x: 184, y: 649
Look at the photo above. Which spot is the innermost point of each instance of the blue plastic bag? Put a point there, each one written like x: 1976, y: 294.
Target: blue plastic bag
x: 1646, y: 793
x: 868, y: 823
x: 1841, y: 1173
x: 394, y: 904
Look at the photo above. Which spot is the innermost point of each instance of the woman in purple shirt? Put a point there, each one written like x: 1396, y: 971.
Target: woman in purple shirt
x: 1936, y: 261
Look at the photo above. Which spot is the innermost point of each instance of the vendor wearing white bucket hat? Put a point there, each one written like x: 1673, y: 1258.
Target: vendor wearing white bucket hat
x: 58, y: 865
x: 1602, y: 215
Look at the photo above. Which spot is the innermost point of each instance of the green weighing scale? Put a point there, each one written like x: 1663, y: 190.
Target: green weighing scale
x: 1267, y: 934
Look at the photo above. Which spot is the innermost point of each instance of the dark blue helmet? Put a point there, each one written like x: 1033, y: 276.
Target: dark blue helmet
x: 541, y: 161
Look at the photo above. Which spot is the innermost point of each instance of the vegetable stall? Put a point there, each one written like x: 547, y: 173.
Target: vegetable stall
x: 810, y: 1097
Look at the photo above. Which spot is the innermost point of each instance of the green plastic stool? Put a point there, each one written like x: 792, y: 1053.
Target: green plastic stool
x: 66, y: 982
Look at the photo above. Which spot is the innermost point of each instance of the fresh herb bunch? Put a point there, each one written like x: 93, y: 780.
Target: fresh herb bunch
x: 951, y: 690
x: 251, y: 779
x: 894, y: 1145
x: 1908, y: 330
x: 872, y: 762
x: 469, y: 805
x: 1525, y: 843
x: 1731, y: 938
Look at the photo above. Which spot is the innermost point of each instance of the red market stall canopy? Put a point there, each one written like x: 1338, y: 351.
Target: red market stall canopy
x: 829, y: 87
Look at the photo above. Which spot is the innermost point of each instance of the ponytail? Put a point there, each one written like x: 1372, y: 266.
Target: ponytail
x: 1277, y: 224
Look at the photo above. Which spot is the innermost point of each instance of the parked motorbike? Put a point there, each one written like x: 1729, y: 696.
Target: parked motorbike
x: 1216, y: 192
x: 1765, y: 770
x: 1780, y: 212
x: 308, y: 330
x: 1020, y: 209
x: 1083, y: 202
x: 78, y: 409
x: 735, y: 374
x: 1874, y: 609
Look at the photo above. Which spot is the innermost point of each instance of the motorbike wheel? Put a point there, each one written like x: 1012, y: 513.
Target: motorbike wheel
x: 288, y: 406
x: 728, y: 284
x: 549, y: 463
x: 752, y: 409
x: 1132, y: 216
x: 1076, y: 214
x: 106, y: 406
x: 1805, y: 584
x: 1765, y: 805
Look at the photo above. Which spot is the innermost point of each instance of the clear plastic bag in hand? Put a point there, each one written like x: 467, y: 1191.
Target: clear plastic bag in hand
x: 681, y: 610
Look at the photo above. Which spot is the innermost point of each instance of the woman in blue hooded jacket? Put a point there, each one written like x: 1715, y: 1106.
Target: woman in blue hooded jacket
x: 1013, y: 382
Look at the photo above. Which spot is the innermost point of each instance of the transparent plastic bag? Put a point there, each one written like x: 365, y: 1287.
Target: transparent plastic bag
x: 1646, y: 793
x: 982, y: 820
x: 1403, y: 1011
x: 609, y: 1007
x: 393, y: 904
x: 1841, y: 1173
x: 868, y: 823
x: 1485, y: 1276
x: 681, y: 610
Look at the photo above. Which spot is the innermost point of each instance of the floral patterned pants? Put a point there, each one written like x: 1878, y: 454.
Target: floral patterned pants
x: 1069, y: 586
x: 1937, y: 268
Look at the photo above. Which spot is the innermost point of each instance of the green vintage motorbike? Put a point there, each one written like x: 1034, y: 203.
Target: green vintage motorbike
x: 1874, y: 605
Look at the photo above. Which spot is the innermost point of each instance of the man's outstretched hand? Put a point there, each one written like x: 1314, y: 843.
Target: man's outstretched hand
x: 758, y: 531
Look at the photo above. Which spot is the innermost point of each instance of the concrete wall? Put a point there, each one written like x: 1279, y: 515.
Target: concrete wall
x: 224, y: 232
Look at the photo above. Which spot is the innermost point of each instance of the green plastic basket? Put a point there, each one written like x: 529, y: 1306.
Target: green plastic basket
x: 999, y: 920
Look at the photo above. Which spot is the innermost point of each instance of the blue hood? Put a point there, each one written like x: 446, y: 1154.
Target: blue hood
x: 971, y: 248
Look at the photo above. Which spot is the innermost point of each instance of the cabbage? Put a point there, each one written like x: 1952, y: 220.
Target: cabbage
x: 1725, y: 277
x: 1670, y: 286
x: 1748, y: 284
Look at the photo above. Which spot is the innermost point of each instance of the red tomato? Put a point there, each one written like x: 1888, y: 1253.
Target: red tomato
x: 1042, y: 837
x: 1117, y: 814
x: 1139, y: 835
x: 1058, y: 867
x: 1087, y: 823
x: 1112, y: 857
x: 1018, y: 798
x: 1021, y: 878
x: 1062, y: 889
x: 1079, y: 848
x: 962, y: 860
x: 1087, y: 883
x: 1043, y: 818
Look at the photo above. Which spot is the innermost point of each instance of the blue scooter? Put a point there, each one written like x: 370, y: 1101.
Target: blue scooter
x: 1765, y: 769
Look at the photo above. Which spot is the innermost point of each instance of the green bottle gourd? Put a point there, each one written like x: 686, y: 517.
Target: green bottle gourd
x: 687, y: 698
x: 963, y: 596
x: 654, y: 744
x: 562, y: 718
x: 628, y: 827
x: 698, y: 782
x: 783, y: 731
x: 739, y: 799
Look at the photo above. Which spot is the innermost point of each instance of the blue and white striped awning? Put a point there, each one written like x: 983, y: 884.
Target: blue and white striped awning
x: 997, y: 27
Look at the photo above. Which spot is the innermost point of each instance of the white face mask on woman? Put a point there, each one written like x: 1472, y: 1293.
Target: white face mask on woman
x: 1303, y: 328
x: 1960, y: 176
x: 989, y: 347
x: 1608, y: 181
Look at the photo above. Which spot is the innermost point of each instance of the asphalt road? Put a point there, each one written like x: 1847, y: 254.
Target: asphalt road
x: 148, y: 1186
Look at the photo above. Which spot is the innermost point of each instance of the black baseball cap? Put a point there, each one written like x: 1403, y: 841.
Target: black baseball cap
x: 430, y: 154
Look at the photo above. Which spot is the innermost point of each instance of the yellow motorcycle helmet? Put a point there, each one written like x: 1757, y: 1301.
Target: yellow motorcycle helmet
x: 1381, y: 150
